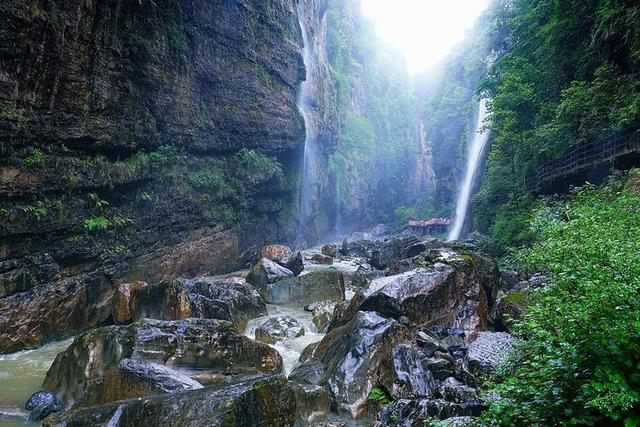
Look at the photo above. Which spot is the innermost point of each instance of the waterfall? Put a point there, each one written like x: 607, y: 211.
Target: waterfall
x: 474, y: 159
x: 311, y: 152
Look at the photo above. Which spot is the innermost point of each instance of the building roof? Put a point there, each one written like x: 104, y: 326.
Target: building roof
x: 429, y: 222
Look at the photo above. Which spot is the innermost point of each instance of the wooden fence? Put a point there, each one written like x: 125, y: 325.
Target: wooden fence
x: 584, y: 156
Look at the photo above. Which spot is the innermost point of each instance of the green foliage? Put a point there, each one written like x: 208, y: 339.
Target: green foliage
x: 379, y: 395
x: 580, y: 362
x: 253, y: 165
x: 211, y: 180
x: 403, y: 215
x: 145, y: 196
x: 35, y: 158
x: 98, y: 202
x: 97, y: 223
x: 568, y: 73
x: 511, y: 225
x: 37, y: 209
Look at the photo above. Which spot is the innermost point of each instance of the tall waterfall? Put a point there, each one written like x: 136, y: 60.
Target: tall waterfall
x: 474, y: 159
x: 311, y: 152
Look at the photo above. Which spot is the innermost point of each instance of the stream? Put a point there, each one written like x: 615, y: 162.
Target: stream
x: 22, y: 373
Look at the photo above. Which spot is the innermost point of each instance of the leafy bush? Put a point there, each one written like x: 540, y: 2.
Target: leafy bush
x: 580, y: 360
x: 97, y: 223
x: 35, y: 158
x: 379, y: 395
x: 211, y: 180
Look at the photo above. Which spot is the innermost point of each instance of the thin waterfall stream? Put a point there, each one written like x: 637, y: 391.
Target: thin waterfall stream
x: 474, y: 159
x: 305, y: 105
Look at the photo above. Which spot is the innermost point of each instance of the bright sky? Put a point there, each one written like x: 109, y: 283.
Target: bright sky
x: 424, y: 30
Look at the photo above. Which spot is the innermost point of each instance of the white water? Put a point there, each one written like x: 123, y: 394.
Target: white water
x: 289, y: 349
x: 305, y: 100
x: 474, y: 159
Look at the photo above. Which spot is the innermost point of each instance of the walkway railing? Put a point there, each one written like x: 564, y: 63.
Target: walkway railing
x: 586, y: 155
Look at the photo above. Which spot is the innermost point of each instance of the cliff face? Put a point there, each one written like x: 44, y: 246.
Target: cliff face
x: 140, y: 140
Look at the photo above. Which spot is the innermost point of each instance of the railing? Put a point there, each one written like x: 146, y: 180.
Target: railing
x: 586, y: 155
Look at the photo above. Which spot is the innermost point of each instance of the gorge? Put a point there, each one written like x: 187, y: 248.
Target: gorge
x: 204, y: 211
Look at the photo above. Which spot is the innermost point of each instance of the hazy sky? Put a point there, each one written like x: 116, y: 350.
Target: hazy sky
x: 424, y: 30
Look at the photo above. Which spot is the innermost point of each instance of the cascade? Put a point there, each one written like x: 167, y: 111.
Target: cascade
x: 474, y: 159
x: 311, y: 162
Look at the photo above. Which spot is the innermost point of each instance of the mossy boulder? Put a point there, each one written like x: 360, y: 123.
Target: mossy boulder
x: 320, y: 285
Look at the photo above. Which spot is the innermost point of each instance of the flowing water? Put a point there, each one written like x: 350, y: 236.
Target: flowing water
x: 311, y: 163
x: 290, y: 350
x: 474, y: 159
x: 21, y: 375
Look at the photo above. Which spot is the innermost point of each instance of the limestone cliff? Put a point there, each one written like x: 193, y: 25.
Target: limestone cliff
x: 140, y: 140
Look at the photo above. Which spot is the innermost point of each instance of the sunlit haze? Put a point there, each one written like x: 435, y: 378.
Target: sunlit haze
x: 424, y: 30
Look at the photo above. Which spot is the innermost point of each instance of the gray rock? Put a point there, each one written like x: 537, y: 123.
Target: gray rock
x: 414, y: 377
x: 231, y: 299
x: 488, y: 351
x: 405, y: 412
x: 190, y: 345
x: 266, y: 271
x: 322, y: 259
x: 428, y: 343
x: 42, y: 404
x: 279, y: 328
x: 330, y: 250
x: 312, y: 403
x: 131, y: 379
x: 266, y: 402
x: 345, y: 311
x: 321, y: 285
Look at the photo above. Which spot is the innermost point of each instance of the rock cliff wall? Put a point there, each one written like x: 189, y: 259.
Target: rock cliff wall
x: 139, y: 140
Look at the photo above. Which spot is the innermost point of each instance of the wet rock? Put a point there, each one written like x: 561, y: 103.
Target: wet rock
x: 356, y: 356
x: 229, y: 299
x: 330, y: 250
x: 322, y: 312
x: 296, y: 264
x: 421, y: 412
x: 392, y: 251
x: 414, y: 377
x: 453, y: 390
x: 42, y: 404
x: 184, y: 345
x: 441, y: 365
x: 266, y: 402
x: 345, y: 311
x: 131, y: 379
x: 508, y: 280
x: 321, y: 285
x: 31, y: 318
x: 278, y: 253
x: 428, y: 343
x: 357, y: 247
x: 322, y: 259
x: 364, y: 275
x: 308, y: 372
x: 457, y: 290
x: 266, y: 271
x: 312, y: 402
x: 122, y: 300
x: 279, y: 328
x: 488, y: 351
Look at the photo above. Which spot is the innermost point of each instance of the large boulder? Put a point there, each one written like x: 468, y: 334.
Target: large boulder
x: 229, y: 299
x: 329, y: 250
x: 392, y: 251
x: 406, y: 412
x: 189, y: 346
x: 320, y: 285
x: 364, y: 275
x: 458, y: 290
x: 283, y: 255
x: 42, y: 404
x: 488, y: 351
x: 322, y: 259
x: 345, y: 311
x: 133, y: 378
x: 279, y: 328
x: 357, y: 356
x: 266, y: 271
x: 122, y: 300
x: 278, y: 253
x: 266, y: 402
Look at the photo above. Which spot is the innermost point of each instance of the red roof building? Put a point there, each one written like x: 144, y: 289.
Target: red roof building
x: 430, y: 226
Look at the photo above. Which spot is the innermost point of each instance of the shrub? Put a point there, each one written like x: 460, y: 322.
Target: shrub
x: 35, y: 158
x: 580, y: 360
x: 97, y: 223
